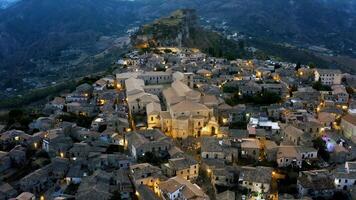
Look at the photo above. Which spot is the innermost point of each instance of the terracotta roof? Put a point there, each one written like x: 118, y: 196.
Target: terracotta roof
x: 25, y: 196
x: 180, y: 88
x: 153, y: 108
x: 188, y: 106
x: 288, y: 152
x: 208, y: 99
x: 190, y: 191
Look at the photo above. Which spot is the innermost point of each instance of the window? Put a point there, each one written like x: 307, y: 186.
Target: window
x: 151, y: 118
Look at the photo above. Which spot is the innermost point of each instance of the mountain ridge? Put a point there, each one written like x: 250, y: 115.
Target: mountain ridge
x: 38, y: 36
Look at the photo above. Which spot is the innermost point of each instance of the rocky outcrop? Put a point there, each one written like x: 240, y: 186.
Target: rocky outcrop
x: 173, y: 30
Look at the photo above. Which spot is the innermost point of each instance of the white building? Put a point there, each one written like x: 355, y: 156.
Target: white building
x: 177, y: 188
x: 294, y: 155
x: 137, y: 98
x: 328, y: 76
x: 186, y: 114
x: 346, y: 177
x: 348, y: 126
x: 256, y: 179
x: 154, y: 78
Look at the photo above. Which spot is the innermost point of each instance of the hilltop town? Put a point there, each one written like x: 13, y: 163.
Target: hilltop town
x: 175, y: 123
x: 178, y: 124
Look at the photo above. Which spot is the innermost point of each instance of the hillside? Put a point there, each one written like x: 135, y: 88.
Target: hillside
x: 181, y: 28
x: 40, y: 29
x: 329, y: 23
x: 45, y: 40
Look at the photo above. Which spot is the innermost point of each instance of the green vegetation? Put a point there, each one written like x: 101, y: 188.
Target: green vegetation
x: 181, y: 28
x: 115, y: 148
x: 203, y: 180
x: 289, y: 183
x: 238, y: 125
x: 89, y: 80
x: 229, y: 89
x: 116, y: 195
x: 71, y: 189
x: 153, y: 159
x: 320, y: 87
x: 36, y: 95
x: 261, y: 98
x: 281, y: 52
x: 19, y: 119
x: 350, y: 90
x: 216, y: 45
x: 80, y: 120
x: 320, y: 145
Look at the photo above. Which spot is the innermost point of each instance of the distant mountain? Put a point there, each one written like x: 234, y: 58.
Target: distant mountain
x: 37, y: 36
x: 40, y: 28
x: 36, y: 29
x: 331, y: 23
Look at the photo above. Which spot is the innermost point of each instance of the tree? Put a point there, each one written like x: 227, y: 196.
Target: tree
x: 116, y: 195
x: 230, y: 89
x: 167, y: 51
x: 320, y: 87
x: 277, y: 66
x: 298, y: 66
x: 241, y: 44
x: 312, y: 65
x: 320, y: 145
x: 152, y: 158
x: 350, y: 90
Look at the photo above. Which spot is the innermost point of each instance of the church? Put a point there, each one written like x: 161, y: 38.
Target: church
x: 186, y: 114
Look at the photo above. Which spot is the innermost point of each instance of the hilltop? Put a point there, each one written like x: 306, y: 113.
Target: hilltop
x: 181, y: 28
